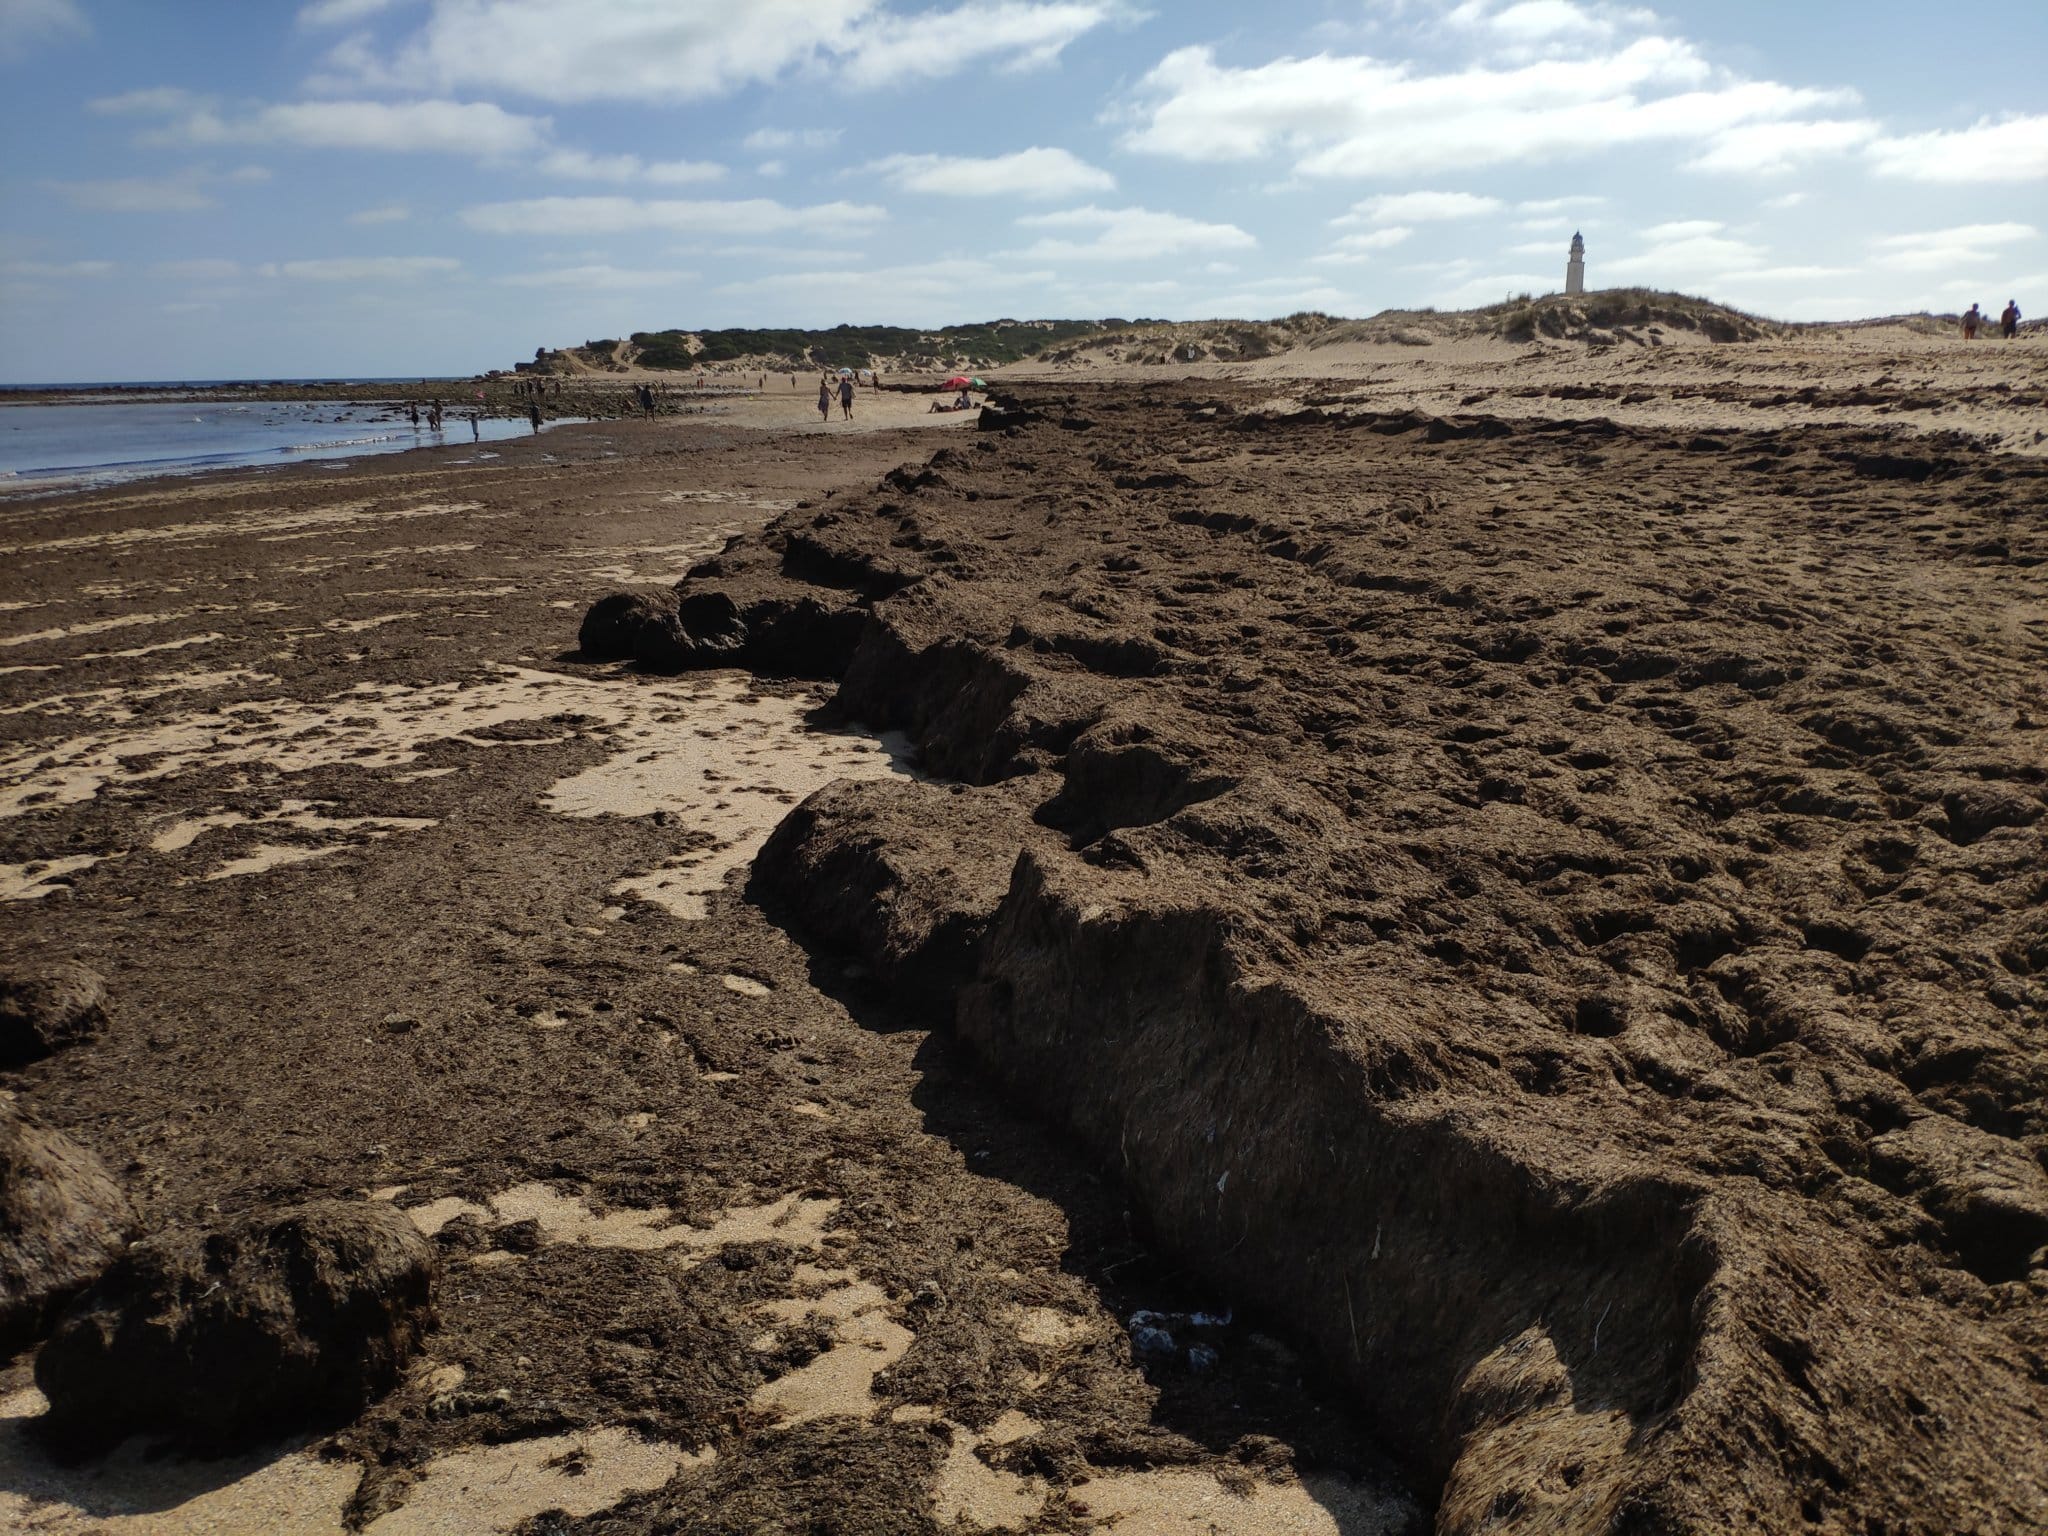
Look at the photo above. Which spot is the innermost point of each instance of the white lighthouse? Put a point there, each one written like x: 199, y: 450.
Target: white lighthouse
x: 1575, y: 268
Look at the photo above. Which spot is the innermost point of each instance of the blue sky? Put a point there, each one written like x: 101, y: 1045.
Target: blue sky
x: 256, y: 188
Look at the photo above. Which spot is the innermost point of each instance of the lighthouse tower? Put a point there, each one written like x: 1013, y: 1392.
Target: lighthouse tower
x: 1575, y: 269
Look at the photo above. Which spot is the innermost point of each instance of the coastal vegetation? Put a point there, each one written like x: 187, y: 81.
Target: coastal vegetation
x: 986, y: 345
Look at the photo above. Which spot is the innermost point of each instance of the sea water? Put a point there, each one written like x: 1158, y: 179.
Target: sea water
x: 47, y: 447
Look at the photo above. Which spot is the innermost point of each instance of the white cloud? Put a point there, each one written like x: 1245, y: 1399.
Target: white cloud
x: 1557, y: 225
x: 791, y: 138
x: 1559, y: 216
x: 1378, y: 239
x: 1361, y: 116
x: 36, y: 269
x: 1774, y: 149
x: 741, y: 251
x: 204, y: 269
x: 1027, y: 173
x: 26, y: 24
x: 448, y: 127
x: 1939, y: 250
x: 635, y: 50
x: 361, y: 269
x: 656, y: 50
x: 2013, y: 149
x: 1463, y: 292
x: 770, y: 168
x: 677, y: 173
x: 136, y: 194
x: 1785, y: 200
x: 1126, y: 297
x: 1457, y: 267
x: 891, y: 48
x: 340, y: 13
x: 1419, y: 208
x: 580, y: 165
x: 1129, y: 234
x: 1683, y: 229
x: 383, y: 213
x: 155, y: 100
x: 1274, y: 296
x: 621, y: 215
x: 597, y: 276
x: 1686, y: 252
x: 1795, y: 274
x: 936, y: 281
x: 1353, y: 250
x: 1529, y: 25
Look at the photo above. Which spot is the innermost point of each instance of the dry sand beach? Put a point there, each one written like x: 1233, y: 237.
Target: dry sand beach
x: 1389, y: 938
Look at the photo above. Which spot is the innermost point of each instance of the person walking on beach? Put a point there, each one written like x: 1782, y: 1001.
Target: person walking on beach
x: 533, y: 415
x: 824, y: 399
x: 1972, y: 318
x: 412, y: 409
x: 846, y: 397
x: 476, y: 426
x: 2009, y: 321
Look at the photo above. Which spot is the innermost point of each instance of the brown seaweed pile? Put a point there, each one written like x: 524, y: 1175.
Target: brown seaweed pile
x: 1550, y: 914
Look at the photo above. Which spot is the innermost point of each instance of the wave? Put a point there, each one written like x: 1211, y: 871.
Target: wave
x: 331, y: 444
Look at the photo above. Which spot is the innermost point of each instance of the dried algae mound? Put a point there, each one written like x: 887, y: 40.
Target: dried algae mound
x: 63, y: 1220
x: 226, y: 1338
x: 45, y: 1009
x: 1552, y: 915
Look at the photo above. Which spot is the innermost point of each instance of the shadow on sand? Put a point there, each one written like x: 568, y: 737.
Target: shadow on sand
x: 1253, y: 1400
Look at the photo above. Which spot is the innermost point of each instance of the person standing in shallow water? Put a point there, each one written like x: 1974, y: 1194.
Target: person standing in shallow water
x: 533, y: 416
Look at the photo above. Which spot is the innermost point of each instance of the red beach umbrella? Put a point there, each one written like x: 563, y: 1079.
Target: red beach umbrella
x: 958, y: 381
